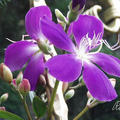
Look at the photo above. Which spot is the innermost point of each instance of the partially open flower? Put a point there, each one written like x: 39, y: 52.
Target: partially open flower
x: 5, y: 73
x: 24, y: 87
x: 76, y: 7
x: 79, y: 3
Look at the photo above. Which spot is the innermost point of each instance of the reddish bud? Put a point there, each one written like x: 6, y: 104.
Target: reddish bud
x: 5, y: 73
x: 2, y: 108
x: 24, y: 87
x: 42, y: 80
x: 65, y: 86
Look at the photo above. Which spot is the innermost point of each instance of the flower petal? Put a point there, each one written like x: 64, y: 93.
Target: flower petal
x: 56, y: 35
x: 32, y: 20
x: 18, y: 53
x: 97, y: 83
x: 108, y: 63
x: 65, y: 68
x: 34, y: 68
x: 87, y: 24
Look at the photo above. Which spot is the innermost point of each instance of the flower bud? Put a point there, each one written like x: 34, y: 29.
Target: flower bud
x: 113, y: 81
x: 5, y: 73
x: 89, y: 95
x: 14, y: 83
x: 65, y: 86
x: 39, y: 3
x: 76, y: 3
x: 69, y: 94
x: 60, y: 16
x: 19, y: 78
x: 42, y: 80
x: 44, y: 47
x: 2, y: 108
x: 24, y: 87
x: 4, y: 97
x: 76, y: 7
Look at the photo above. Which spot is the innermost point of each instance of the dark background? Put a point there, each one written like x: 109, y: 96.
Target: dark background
x: 12, y: 26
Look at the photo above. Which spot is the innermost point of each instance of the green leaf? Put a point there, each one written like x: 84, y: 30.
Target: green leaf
x: 8, y: 115
x: 39, y: 107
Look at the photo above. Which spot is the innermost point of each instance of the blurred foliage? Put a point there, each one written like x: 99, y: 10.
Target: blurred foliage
x: 3, y: 3
x: 12, y: 26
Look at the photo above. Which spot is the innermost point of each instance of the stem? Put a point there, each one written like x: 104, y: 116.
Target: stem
x: 31, y: 3
x: 50, y: 108
x: 81, y: 113
x: 67, y: 26
x: 23, y: 101
x: 26, y: 108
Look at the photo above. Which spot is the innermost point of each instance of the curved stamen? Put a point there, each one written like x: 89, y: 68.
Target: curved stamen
x: 97, y: 50
x: 114, y: 47
x: 10, y: 40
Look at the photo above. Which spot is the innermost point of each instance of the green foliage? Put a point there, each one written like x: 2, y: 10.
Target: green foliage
x: 3, y: 3
x: 8, y: 115
x: 39, y: 107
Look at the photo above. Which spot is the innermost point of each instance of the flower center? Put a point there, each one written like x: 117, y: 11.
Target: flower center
x: 87, y: 44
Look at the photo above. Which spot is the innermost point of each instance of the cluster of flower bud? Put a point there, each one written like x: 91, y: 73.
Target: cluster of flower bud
x: 20, y: 84
x: 76, y: 7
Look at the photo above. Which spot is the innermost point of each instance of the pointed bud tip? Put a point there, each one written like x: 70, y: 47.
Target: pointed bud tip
x: 19, y: 78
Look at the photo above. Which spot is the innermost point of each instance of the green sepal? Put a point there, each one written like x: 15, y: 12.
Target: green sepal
x: 39, y: 107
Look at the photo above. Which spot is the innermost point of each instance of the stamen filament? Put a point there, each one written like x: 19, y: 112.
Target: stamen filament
x: 10, y: 40
x: 114, y: 47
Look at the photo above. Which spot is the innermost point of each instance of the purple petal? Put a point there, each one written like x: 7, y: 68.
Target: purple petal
x: 34, y: 68
x: 32, y: 20
x: 108, y: 63
x: 17, y: 54
x: 56, y: 35
x: 87, y: 24
x: 65, y: 68
x: 78, y: 2
x: 97, y: 83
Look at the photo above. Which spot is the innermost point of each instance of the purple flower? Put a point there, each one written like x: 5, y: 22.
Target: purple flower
x: 88, y: 32
x: 19, y: 53
x: 75, y: 3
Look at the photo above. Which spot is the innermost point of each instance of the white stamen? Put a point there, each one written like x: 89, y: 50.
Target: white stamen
x: 114, y: 47
x: 10, y: 40
x: 87, y: 44
x: 23, y: 37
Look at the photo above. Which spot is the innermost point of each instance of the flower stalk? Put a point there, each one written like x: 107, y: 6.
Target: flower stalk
x: 81, y: 113
x: 26, y: 108
x: 50, y: 107
x: 23, y: 99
